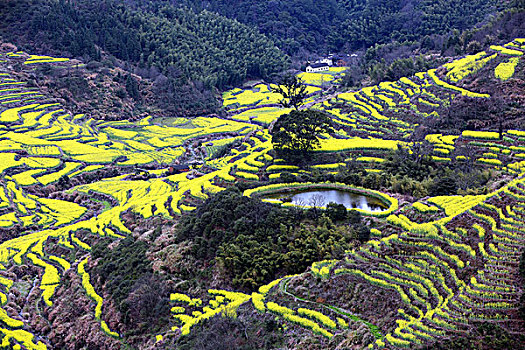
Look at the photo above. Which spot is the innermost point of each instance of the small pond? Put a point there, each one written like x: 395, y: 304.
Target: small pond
x: 320, y: 198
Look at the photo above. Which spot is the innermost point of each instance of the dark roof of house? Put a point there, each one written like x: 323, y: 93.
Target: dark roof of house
x: 318, y: 65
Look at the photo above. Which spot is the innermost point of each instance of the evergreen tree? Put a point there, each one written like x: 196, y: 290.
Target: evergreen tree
x: 132, y: 88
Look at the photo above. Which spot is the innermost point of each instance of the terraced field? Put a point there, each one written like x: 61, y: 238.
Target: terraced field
x: 437, y: 276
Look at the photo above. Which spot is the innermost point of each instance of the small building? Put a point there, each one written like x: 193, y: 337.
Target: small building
x: 178, y: 168
x: 340, y: 60
x: 317, y: 67
x: 328, y: 60
x: 344, y: 60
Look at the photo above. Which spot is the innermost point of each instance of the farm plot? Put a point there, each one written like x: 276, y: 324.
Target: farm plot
x: 424, y: 268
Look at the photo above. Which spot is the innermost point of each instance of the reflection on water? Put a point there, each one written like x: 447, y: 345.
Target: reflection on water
x: 320, y: 198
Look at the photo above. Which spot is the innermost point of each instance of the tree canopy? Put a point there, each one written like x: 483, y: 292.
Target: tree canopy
x: 339, y: 25
x: 253, y: 242
x: 297, y: 132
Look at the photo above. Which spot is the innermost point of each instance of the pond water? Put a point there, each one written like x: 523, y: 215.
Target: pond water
x: 320, y: 198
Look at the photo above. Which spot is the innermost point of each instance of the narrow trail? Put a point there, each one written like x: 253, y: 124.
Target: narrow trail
x: 376, y: 332
x: 320, y: 100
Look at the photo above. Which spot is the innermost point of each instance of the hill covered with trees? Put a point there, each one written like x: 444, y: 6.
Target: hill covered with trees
x: 186, y: 53
x: 338, y: 25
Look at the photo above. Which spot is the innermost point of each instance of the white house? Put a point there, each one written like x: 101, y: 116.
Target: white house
x: 317, y: 67
x: 327, y: 60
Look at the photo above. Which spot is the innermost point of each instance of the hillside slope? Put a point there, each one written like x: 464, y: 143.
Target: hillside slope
x: 89, y: 212
x: 339, y: 25
x: 183, y: 52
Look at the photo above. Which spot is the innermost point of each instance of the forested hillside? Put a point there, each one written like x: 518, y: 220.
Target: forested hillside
x: 194, y: 52
x: 337, y: 25
x: 187, y: 49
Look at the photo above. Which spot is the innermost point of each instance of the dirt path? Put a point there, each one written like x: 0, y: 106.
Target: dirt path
x: 320, y: 100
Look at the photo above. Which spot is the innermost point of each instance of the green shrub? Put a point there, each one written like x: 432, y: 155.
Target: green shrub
x: 255, y: 242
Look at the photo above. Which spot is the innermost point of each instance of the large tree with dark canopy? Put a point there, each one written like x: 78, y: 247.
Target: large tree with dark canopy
x: 297, y: 133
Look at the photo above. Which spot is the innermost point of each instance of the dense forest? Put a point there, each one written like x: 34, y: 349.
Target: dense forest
x: 254, y: 242
x: 342, y: 25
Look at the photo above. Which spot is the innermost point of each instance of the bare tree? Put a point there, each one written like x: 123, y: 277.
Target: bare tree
x: 301, y: 202
x: 317, y: 201
x: 293, y: 91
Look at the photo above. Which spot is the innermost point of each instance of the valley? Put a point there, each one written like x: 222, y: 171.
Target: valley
x: 434, y: 265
